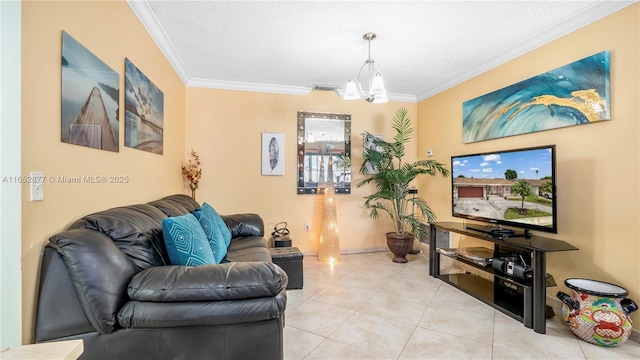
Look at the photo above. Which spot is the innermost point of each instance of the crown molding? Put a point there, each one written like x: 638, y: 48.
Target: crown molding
x: 277, y: 89
x: 391, y: 96
x: 253, y: 87
x: 588, y: 16
x: 402, y: 97
x: 143, y: 11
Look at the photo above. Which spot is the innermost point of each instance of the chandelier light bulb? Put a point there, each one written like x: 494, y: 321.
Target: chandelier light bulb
x: 351, y: 91
x: 377, y: 86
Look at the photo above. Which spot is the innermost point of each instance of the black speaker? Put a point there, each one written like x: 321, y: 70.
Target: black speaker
x: 512, y: 269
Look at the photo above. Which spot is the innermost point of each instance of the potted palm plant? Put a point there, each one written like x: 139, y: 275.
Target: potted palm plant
x: 392, y: 178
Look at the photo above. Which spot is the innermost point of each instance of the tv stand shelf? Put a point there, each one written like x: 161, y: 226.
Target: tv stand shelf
x: 482, y: 289
x: 488, y: 269
x: 525, y: 301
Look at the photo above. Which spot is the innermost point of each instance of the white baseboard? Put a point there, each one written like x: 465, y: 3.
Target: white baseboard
x: 352, y: 251
x: 365, y: 250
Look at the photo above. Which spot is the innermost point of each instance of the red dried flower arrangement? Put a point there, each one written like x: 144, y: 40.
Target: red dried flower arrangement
x: 191, y: 170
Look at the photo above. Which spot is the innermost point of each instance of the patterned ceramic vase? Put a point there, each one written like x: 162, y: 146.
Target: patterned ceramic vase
x: 597, y: 312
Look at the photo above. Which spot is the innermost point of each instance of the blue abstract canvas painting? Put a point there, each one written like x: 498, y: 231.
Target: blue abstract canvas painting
x: 574, y: 94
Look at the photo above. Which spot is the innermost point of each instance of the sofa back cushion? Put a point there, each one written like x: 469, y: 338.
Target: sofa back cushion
x: 245, y: 224
x: 176, y: 205
x: 99, y: 271
x: 134, y: 229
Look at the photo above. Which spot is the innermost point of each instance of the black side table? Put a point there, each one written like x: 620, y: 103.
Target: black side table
x: 290, y: 260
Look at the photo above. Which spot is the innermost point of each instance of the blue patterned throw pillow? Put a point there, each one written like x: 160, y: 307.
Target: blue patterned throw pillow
x: 215, y: 229
x: 185, y: 241
x: 217, y: 219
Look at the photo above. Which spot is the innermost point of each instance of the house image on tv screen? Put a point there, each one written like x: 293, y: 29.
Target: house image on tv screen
x: 483, y: 188
x: 497, y: 199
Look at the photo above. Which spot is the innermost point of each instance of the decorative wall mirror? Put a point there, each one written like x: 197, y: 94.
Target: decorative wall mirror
x: 324, y: 151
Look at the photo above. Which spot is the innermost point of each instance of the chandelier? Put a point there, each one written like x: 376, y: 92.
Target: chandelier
x: 376, y: 93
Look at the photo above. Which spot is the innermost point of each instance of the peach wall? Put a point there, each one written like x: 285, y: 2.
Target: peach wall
x: 598, y: 165
x: 225, y: 128
x: 111, y: 31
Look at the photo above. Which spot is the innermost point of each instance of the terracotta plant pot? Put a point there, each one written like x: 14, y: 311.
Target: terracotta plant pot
x: 400, y: 245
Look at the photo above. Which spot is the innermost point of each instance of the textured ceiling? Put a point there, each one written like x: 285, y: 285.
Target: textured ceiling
x: 422, y: 48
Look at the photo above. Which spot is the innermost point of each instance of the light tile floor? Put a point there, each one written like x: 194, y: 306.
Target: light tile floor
x: 367, y: 307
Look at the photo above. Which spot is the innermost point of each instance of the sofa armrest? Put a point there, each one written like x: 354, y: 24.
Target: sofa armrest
x: 242, y: 225
x: 216, y: 282
x: 99, y: 272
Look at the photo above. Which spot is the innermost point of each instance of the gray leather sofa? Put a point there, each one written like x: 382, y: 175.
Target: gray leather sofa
x: 107, y: 280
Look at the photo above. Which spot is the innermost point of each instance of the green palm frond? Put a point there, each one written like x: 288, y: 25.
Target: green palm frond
x: 402, y: 126
x: 393, y: 178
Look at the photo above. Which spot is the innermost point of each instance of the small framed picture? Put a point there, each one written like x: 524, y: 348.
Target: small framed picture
x: 272, y: 153
x: 369, y: 145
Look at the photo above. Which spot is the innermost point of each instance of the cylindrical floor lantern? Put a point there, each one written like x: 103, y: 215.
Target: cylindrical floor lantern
x: 329, y: 246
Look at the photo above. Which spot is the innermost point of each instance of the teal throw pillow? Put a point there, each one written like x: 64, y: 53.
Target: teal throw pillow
x: 217, y: 219
x: 185, y: 241
x: 226, y: 233
x: 213, y: 227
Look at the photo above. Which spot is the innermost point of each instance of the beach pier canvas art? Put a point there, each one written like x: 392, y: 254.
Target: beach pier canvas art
x: 90, y: 98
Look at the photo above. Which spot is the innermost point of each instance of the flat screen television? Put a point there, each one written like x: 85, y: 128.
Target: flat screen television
x: 509, y: 187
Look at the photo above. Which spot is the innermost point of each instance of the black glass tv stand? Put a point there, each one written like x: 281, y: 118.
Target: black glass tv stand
x: 523, y: 300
